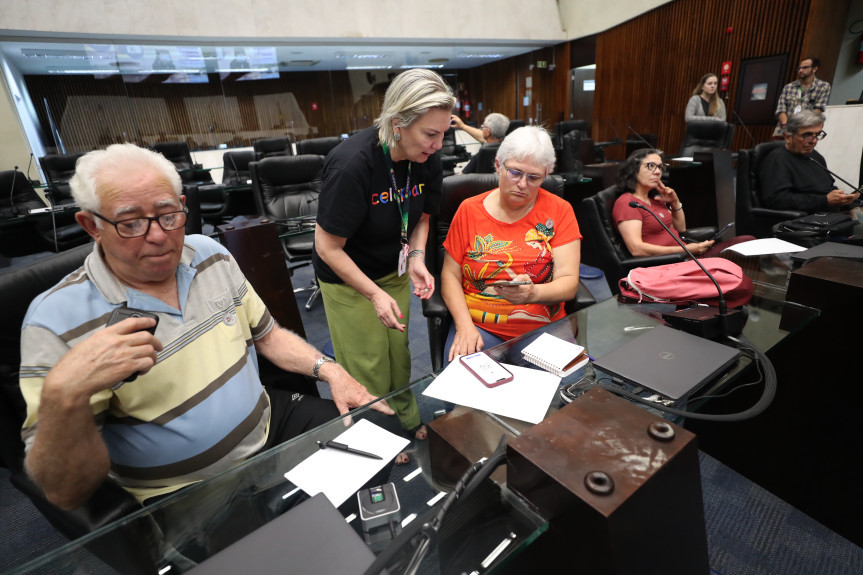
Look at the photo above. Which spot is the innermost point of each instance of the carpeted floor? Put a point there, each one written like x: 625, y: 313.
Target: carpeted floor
x: 749, y: 531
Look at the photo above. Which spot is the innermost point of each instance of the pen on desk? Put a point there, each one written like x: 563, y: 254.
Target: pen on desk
x: 343, y: 447
x: 590, y: 357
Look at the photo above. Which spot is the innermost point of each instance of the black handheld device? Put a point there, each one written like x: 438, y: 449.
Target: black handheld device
x: 122, y: 313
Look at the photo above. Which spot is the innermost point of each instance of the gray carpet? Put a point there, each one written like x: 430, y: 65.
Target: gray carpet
x: 749, y: 531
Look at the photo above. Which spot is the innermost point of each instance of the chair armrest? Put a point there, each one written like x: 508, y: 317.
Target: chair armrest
x: 435, y: 306
x: 778, y: 215
x: 698, y: 234
x: 649, y: 261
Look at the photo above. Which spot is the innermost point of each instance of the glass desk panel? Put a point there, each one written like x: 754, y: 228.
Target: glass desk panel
x: 192, y: 524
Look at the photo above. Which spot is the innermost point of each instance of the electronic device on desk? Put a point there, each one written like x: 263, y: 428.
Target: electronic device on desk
x: 380, y: 513
x: 57, y: 208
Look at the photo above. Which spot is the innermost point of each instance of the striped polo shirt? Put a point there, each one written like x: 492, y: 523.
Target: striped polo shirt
x: 202, y: 407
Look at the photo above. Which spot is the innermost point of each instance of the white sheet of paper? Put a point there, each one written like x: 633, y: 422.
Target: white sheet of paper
x: 764, y: 247
x: 338, y: 474
x: 525, y: 398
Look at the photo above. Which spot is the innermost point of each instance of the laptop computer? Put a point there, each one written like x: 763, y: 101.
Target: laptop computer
x: 310, y: 538
x: 830, y: 249
x: 669, y: 362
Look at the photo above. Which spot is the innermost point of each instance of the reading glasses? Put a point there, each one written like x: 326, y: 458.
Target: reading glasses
x: 137, y: 227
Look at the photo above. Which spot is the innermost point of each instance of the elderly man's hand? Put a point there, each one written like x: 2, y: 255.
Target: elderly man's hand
x: 840, y: 198
x: 348, y: 393
x: 107, y: 357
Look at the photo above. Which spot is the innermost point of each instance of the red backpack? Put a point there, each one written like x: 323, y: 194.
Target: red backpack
x: 685, y: 282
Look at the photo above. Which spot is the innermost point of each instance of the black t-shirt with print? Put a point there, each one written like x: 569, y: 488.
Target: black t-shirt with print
x: 356, y: 202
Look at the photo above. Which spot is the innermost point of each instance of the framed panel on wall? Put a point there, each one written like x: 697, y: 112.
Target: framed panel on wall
x: 760, y: 82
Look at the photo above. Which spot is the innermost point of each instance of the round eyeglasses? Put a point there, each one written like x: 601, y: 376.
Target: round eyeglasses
x: 137, y: 227
x: 517, y: 175
x: 812, y: 136
x: 652, y: 167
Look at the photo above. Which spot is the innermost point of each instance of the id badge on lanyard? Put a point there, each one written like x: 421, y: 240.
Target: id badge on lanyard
x: 403, y: 202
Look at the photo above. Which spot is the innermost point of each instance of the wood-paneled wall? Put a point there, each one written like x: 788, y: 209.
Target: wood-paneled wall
x: 647, y: 68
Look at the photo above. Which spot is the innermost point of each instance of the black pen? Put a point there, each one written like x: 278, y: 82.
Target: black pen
x: 343, y: 447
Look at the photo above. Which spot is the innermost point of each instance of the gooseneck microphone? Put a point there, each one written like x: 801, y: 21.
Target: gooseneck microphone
x: 693, y: 322
x: 645, y: 142
x: 12, y: 193
x: 843, y: 180
x: 743, y: 125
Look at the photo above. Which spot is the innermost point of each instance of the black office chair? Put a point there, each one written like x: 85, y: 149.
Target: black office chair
x: 20, y: 235
x: 563, y: 128
x: 485, y: 158
x: 455, y: 190
x: 288, y: 187
x: 124, y: 549
x: 751, y: 217
x: 318, y: 146
x: 58, y: 170
x: 706, y: 135
x: 452, y: 153
x: 233, y: 197
x: 569, y: 162
x: 601, y: 236
x: 179, y: 154
x: 270, y: 147
x: 514, y: 125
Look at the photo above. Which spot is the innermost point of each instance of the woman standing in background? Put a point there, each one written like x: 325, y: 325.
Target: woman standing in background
x: 705, y: 103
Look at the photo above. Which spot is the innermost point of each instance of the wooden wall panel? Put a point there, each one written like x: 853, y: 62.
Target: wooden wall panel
x: 648, y: 67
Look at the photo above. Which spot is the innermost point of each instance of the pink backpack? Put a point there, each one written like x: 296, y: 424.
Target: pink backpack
x: 685, y: 282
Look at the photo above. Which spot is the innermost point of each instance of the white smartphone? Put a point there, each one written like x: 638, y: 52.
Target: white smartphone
x: 486, y: 369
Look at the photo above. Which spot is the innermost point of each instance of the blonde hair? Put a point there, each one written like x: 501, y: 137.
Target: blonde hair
x: 412, y: 94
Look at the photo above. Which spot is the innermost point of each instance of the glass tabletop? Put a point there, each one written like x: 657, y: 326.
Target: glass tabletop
x: 191, y: 525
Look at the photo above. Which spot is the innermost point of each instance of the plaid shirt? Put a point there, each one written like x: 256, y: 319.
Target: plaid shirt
x: 793, y: 95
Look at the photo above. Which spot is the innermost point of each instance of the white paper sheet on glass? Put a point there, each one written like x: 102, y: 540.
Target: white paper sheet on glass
x: 525, y: 398
x: 338, y: 474
x: 764, y: 247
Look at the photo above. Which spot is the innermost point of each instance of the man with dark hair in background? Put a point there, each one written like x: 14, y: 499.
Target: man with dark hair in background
x: 805, y: 93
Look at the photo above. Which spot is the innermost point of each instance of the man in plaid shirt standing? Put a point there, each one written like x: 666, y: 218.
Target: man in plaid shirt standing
x: 805, y: 93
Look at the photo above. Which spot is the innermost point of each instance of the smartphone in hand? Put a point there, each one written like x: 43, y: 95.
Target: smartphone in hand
x: 486, y: 369
x: 511, y: 283
x: 722, y: 231
x: 122, y: 313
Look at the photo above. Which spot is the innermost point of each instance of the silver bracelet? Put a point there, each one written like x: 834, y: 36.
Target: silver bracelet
x: 417, y: 254
x: 672, y: 210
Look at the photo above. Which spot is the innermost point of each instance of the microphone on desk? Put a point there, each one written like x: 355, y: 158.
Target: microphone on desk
x: 30, y: 163
x: 700, y: 320
x: 843, y: 180
x: 743, y: 125
x: 12, y: 193
x: 637, y: 135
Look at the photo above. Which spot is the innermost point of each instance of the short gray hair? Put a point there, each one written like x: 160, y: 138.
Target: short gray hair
x: 497, y: 125
x: 118, y: 159
x: 412, y: 94
x: 529, y: 144
x: 803, y: 119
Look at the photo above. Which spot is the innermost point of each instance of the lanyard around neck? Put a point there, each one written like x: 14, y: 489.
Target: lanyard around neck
x: 402, y: 199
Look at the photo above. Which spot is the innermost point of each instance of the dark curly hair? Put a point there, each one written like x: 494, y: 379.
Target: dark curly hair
x: 628, y: 175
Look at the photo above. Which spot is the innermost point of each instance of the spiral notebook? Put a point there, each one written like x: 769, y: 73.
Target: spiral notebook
x: 555, y: 355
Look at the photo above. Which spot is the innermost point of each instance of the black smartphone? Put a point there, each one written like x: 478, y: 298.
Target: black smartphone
x: 511, y: 283
x: 722, y: 231
x: 122, y: 313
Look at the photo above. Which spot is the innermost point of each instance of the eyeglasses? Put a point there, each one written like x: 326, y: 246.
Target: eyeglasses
x: 517, y: 175
x: 812, y: 136
x: 651, y: 167
x: 137, y: 227
x: 804, y: 67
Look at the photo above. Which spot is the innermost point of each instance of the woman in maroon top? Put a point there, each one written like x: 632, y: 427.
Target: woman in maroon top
x: 640, y: 180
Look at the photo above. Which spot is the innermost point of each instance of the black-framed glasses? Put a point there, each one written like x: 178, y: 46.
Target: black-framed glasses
x: 652, y: 167
x: 137, y: 227
x: 812, y: 136
x: 517, y: 175
x: 804, y: 67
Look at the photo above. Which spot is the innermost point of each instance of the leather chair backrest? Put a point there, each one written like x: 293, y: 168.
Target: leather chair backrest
x: 514, y: 125
x: 485, y: 159
x: 177, y: 153
x: 563, y: 128
x: 269, y: 147
x: 704, y: 135
x: 58, y: 170
x: 455, y: 190
x: 18, y: 287
x: 755, y: 157
x: 450, y: 146
x: 604, y: 231
x: 570, y: 154
x: 318, y: 146
x: 236, y: 167
x: 287, y: 186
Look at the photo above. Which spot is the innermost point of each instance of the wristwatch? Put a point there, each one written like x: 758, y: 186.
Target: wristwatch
x: 321, y: 361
